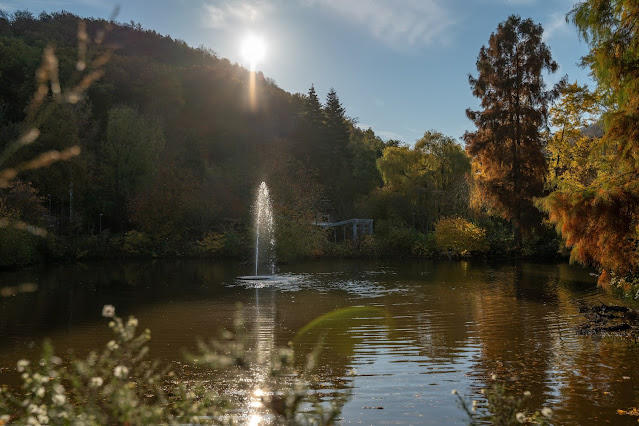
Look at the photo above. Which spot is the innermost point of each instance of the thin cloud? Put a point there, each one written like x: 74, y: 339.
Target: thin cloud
x: 387, y: 134
x: 556, y: 25
x: 229, y: 13
x: 398, y: 23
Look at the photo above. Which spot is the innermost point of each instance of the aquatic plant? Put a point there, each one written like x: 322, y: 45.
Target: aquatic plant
x: 120, y: 385
x: 501, y: 407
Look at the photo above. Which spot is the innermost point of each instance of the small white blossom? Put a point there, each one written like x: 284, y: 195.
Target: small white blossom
x: 4, y: 419
x: 40, y: 392
x: 58, y: 388
x: 520, y: 417
x: 133, y: 322
x: 112, y: 345
x: 108, y: 311
x: 33, y: 408
x: 96, y: 382
x: 527, y: 393
x: 59, y: 399
x: 22, y: 364
x: 494, y: 377
x: 546, y: 412
x: 454, y: 392
x: 121, y: 372
x: 43, y: 419
x: 33, y: 421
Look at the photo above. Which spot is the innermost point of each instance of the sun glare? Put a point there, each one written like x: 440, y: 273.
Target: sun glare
x: 253, y: 50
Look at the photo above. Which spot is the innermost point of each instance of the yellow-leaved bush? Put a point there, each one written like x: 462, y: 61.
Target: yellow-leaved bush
x: 460, y: 237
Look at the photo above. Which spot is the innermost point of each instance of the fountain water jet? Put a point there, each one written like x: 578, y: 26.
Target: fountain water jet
x: 264, y: 234
x: 264, y: 229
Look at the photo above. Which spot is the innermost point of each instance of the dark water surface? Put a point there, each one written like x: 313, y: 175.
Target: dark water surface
x: 440, y: 326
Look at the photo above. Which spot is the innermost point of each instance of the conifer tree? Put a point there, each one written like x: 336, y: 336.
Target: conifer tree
x: 338, y: 159
x: 507, y: 149
x: 312, y: 109
x: 601, y: 220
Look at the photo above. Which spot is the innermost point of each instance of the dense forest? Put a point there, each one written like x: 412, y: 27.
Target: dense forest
x: 163, y: 146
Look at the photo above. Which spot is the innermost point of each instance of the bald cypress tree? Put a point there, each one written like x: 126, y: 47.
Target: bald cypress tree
x: 507, y: 148
x: 600, y: 220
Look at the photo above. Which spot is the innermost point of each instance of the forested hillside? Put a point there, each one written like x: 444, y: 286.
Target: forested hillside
x: 171, y: 146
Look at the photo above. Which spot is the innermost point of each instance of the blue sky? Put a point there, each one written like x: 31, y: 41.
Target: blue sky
x: 398, y: 66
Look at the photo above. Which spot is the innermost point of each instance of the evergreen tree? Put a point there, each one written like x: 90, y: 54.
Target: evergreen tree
x: 338, y: 160
x: 507, y: 149
x: 312, y: 111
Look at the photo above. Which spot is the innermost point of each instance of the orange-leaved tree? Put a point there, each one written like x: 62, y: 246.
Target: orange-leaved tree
x: 601, y: 220
x: 509, y: 165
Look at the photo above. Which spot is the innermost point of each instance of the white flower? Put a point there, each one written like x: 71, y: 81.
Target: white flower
x: 40, y: 392
x: 454, y: 392
x: 33, y: 421
x: 494, y: 377
x: 58, y: 388
x: 527, y: 393
x: 108, y: 311
x: 133, y: 322
x: 33, y: 408
x: 121, y: 372
x: 22, y: 364
x: 521, y: 418
x: 59, y: 399
x: 546, y: 412
x: 112, y: 345
x: 4, y: 419
x: 43, y: 419
x: 96, y: 382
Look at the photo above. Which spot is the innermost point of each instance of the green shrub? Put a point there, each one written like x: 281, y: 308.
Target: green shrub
x: 136, y: 243
x: 18, y: 247
x: 212, y: 244
x: 395, y: 239
x: 296, y: 240
x: 236, y: 243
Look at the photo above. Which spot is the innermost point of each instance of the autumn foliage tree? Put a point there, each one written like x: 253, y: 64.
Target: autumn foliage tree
x: 600, y: 221
x: 507, y: 149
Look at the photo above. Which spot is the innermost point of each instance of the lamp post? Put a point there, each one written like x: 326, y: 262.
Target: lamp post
x: 100, y: 223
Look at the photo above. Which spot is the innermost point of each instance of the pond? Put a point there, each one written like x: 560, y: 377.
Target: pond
x: 432, y: 327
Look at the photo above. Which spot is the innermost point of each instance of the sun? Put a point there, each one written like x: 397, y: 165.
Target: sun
x: 253, y: 50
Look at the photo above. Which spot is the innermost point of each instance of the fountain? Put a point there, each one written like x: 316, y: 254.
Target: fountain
x: 264, y: 236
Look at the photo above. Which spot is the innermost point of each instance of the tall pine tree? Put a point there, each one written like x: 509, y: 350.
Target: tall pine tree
x: 507, y: 149
x: 338, y: 159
